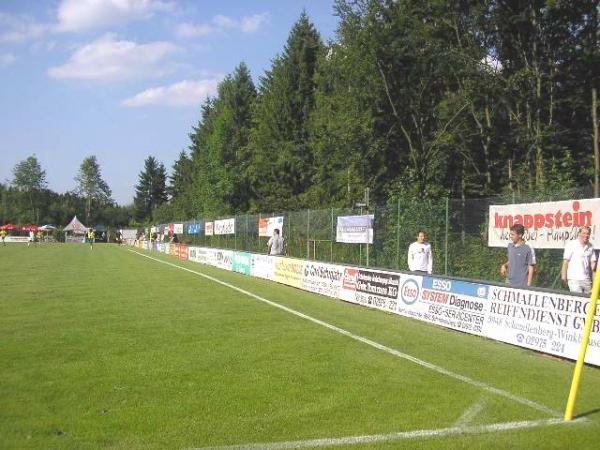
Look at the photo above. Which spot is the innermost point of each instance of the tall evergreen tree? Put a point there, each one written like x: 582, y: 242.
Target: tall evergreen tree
x: 151, y: 191
x: 30, y: 180
x: 91, y: 185
x: 226, y: 155
x: 282, y: 163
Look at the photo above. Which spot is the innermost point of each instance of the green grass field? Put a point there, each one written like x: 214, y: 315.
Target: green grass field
x: 110, y: 349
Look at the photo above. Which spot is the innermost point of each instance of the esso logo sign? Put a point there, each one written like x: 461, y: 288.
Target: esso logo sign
x: 409, y: 293
x: 442, y: 285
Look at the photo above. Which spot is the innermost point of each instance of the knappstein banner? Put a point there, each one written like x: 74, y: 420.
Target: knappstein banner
x: 547, y: 225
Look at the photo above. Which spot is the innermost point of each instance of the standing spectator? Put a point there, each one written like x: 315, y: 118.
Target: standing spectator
x: 520, y: 267
x: 579, y: 263
x: 3, y: 236
x: 420, y: 257
x: 276, y: 244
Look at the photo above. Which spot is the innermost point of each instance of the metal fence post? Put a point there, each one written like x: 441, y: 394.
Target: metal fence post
x: 446, y: 243
x: 289, y: 230
x: 308, y: 234
x: 398, y: 237
x: 331, y: 236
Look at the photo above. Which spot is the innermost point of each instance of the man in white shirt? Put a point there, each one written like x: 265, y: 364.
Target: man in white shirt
x: 420, y: 258
x: 276, y: 244
x: 579, y: 262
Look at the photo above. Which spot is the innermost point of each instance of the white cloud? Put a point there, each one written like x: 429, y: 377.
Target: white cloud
x: 189, y: 30
x: 252, y: 24
x: 83, y: 15
x: 17, y: 29
x: 108, y: 59
x: 220, y: 23
x: 182, y: 94
x: 6, y: 59
x: 224, y: 21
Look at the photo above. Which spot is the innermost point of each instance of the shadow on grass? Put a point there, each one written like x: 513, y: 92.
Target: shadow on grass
x: 589, y: 413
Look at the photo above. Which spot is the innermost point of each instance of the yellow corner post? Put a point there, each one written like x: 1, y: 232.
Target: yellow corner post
x: 589, y: 321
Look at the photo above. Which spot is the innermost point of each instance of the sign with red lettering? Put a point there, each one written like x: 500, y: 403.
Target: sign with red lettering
x: 547, y: 225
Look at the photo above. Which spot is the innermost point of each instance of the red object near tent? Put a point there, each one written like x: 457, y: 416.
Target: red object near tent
x: 8, y: 227
x: 31, y: 227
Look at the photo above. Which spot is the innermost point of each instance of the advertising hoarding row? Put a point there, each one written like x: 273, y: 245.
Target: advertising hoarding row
x: 548, y: 322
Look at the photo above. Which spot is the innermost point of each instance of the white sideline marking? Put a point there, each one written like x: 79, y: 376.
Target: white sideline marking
x: 470, y: 413
x: 374, y: 344
x: 400, y: 436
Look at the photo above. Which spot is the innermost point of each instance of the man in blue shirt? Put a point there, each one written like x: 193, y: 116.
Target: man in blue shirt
x: 520, y: 267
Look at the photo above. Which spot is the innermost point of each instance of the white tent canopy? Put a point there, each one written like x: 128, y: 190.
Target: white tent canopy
x: 76, y: 226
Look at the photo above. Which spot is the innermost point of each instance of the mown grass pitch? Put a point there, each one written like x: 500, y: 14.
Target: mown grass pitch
x: 110, y: 349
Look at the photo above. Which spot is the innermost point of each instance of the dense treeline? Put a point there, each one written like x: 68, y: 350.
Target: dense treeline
x: 27, y: 200
x: 57, y: 209
x: 412, y: 99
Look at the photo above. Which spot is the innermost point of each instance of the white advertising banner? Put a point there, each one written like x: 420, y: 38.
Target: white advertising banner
x: 547, y: 225
x: 225, y: 226
x: 262, y: 266
x: 547, y: 322
x: 22, y: 239
x: 209, y: 228
x: 178, y: 228
x: 128, y: 234
x: 355, y: 229
x: 223, y: 259
x: 324, y: 279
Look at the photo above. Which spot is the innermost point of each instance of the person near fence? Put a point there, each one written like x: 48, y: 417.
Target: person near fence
x: 420, y: 257
x: 520, y: 267
x: 276, y: 244
x: 3, y: 236
x: 579, y: 263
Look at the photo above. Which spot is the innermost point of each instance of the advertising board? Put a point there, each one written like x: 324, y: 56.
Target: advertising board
x: 355, y: 229
x: 289, y: 271
x: 548, y: 322
x: 547, y: 225
x: 242, y: 262
x: 320, y: 278
x: 208, y: 228
x: 193, y: 228
x: 263, y: 266
x: 225, y: 226
x: 223, y: 259
x: 266, y: 225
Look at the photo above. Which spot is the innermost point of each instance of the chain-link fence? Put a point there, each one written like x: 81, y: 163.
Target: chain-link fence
x: 456, y: 229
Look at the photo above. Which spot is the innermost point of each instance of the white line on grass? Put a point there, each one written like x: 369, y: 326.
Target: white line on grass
x: 374, y: 344
x: 399, y: 436
x: 470, y: 413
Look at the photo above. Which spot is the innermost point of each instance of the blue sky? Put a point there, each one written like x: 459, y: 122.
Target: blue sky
x: 124, y: 79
